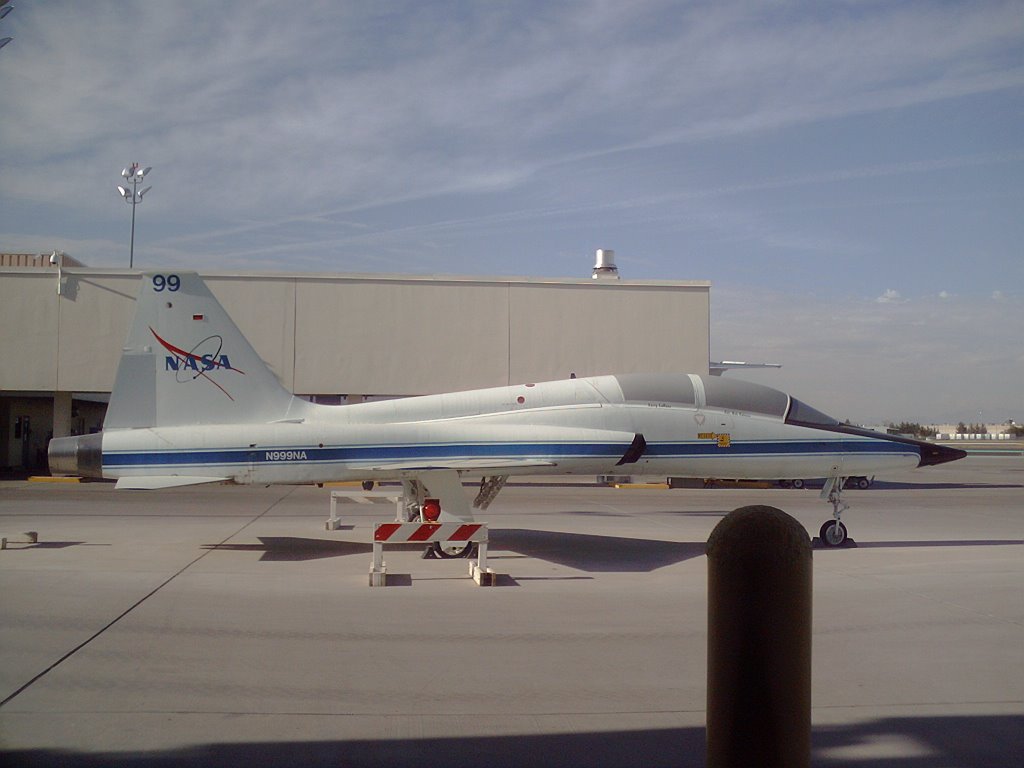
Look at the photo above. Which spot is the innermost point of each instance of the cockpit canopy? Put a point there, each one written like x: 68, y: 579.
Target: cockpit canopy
x: 722, y: 394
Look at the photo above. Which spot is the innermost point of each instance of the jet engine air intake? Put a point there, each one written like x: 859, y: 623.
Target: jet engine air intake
x: 634, y: 452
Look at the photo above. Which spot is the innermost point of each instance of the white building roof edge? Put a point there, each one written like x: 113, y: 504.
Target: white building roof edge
x: 363, y: 277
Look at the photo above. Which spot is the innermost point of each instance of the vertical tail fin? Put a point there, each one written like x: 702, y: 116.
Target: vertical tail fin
x: 186, y: 362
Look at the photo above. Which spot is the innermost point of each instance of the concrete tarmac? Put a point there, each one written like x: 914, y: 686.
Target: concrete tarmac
x: 225, y: 626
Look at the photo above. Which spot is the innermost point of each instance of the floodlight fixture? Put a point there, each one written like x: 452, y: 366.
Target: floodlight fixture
x: 133, y: 173
x: 57, y: 260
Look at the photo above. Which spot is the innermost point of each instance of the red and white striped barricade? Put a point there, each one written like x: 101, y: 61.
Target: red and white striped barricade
x: 428, y: 533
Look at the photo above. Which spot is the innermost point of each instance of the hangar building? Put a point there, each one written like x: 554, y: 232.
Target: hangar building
x: 337, y: 338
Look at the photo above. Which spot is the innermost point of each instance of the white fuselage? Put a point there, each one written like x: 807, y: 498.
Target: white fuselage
x: 576, y: 426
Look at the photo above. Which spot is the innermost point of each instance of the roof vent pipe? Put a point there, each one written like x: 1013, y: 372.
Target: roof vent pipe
x: 604, y: 265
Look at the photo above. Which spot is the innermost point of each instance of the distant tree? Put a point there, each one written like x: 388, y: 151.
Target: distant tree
x: 961, y: 428
x: 911, y: 428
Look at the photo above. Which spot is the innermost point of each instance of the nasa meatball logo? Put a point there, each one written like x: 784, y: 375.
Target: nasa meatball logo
x: 205, y: 360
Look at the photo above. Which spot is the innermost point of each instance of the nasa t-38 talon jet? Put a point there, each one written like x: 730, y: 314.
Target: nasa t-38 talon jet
x: 193, y: 403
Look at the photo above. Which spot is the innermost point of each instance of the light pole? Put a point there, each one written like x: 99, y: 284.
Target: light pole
x: 134, y: 174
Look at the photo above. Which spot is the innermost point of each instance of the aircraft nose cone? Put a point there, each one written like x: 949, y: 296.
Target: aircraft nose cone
x: 939, y: 454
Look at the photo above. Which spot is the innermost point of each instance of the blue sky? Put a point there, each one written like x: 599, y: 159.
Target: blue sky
x: 849, y: 175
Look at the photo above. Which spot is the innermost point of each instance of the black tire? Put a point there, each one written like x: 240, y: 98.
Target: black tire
x: 367, y: 485
x: 861, y: 482
x: 833, y: 534
x: 452, y: 551
x: 798, y: 483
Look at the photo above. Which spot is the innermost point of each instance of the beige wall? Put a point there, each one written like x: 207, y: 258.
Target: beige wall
x: 264, y: 309
x: 28, y: 331
x: 94, y: 314
x: 331, y: 334
x: 400, y: 336
x: 605, y: 327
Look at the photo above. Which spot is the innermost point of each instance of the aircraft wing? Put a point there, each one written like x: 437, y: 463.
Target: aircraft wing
x: 500, y: 449
x: 163, y: 481
x: 441, y: 474
x: 476, y: 465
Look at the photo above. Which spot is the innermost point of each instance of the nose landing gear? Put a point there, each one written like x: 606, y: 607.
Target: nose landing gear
x: 833, y: 533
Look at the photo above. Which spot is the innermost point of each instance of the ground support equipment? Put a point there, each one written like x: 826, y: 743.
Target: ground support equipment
x: 365, y: 497
x: 426, y: 533
x: 29, y: 537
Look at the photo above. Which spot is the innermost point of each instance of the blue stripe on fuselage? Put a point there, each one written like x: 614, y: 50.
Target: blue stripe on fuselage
x: 348, y: 454
x: 271, y: 455
x: 778, y: 448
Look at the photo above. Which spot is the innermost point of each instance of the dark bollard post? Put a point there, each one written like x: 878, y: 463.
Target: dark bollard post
x: 759, y: 641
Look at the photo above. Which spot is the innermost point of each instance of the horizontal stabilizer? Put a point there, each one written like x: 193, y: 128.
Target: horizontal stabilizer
x: 164, y: 481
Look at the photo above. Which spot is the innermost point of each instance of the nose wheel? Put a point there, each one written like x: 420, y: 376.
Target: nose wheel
x: 833, y: 533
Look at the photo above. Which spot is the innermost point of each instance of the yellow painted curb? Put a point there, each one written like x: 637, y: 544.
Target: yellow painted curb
x: 48, y: 479
x: 641, y: 485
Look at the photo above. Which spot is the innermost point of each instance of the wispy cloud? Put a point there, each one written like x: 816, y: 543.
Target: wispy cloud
x: 327, y: 106
x: 924, y: 359
x: 889, y: 296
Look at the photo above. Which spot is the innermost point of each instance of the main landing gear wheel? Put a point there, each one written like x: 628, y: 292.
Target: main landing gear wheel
x: 833, y: 533
x: 447, y: 550
x: 797, y: 483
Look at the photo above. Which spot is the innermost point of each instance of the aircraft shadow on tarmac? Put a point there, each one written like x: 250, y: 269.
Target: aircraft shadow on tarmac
x: 676, y: 512
x: 888, y: 485
x: 593, y: 553
x: 987, y: 741
x: 913, y: 544
x: 278, y: 549
x: 582, y: 551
